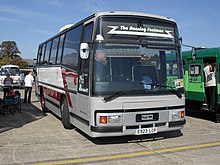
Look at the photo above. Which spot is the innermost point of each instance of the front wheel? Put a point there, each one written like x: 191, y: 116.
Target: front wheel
x: 65, y: 114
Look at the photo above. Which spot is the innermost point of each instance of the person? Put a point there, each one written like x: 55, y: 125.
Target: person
x: 28, y: 81
x: 100, y: 61
x: 147, y: 82
x: 210, y: 86
x: 8, y: 81
x: 100, y: 57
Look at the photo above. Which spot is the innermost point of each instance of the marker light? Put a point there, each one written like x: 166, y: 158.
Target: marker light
x: 103, y: 119
x: 182, y: 114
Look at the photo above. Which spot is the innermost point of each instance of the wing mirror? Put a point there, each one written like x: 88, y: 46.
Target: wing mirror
x: 84, y: 50
x: 193, y: 54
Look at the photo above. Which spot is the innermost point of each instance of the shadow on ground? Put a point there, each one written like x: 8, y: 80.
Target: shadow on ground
x: 205, y: 115
x: 29, y: 113
x: 132, y: 138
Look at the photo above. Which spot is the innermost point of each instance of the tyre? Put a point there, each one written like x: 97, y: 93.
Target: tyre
x: 65, y: 114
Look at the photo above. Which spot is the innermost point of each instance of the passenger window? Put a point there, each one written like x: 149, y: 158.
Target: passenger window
x: 60, y: 49
x: 54, y: 50
x: 87, y: 37
x: 71, y: 48
x: 39, y: 54
x: 47, y: 53
x: 42, y: 54
x: 195, y: 73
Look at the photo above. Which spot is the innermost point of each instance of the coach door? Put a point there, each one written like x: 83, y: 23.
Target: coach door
x: 195, y: 80
x: 83, y: 86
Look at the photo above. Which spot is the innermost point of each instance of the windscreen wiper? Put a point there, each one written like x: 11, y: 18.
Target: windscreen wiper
x: 170, y: 88
x: 113, y: 96
x: 121, y: 93
x: 118, y: 94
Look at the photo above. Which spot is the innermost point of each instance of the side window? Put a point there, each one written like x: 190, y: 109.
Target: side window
x: 87, y: 37
x: 85, y: 63
x: 47, y: 52
x: 195, y: 73
x: 54, y: 50
x: 71, y: 48
x: 171, y: 69
x: 39, y: 54
x: 60, y: 49
x: 42, y: 54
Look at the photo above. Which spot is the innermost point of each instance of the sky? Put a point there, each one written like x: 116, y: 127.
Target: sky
x: 30, y: 22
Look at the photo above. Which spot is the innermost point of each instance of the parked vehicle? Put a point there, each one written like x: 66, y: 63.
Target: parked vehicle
x: 194, y: 79
x: 15, y: 74
x: 107, y: 75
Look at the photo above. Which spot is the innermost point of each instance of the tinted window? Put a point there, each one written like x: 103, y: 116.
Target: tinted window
x: 71, y: 48
x: 60, y: 48
x: 88, y: 33
x: 47, y: 52
x: 39, y: 54
x: 42, y: 54
x: 54, y: 50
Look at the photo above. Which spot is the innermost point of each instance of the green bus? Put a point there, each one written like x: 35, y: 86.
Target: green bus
x: 194, y: 78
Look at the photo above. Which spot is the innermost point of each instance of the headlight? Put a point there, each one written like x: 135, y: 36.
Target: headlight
x: 114, y: 119
x: 111, y: 119
x: 177, y: 115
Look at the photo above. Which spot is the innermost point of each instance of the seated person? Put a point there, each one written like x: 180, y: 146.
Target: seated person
x: 100, y: 62
x: 147, y: 82
x: 100, y: 56
x: 8, y: 81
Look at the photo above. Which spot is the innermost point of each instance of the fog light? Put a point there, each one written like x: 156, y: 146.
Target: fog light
x: 103, y: 119
x: 114, y: 119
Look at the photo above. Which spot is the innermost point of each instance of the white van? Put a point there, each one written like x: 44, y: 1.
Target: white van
x: 15, y: 74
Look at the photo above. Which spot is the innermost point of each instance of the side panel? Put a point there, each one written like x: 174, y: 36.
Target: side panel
x: 50, y: 80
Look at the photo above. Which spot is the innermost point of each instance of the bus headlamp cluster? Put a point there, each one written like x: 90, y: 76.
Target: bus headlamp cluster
x: 110, y: 119
x: 177, y: 115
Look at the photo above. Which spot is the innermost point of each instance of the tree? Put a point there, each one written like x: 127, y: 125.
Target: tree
x: 14, y: 61
x: 9, y: 49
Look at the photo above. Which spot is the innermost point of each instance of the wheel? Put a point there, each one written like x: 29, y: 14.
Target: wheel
x: 43, y: 107
x: 65, y: 114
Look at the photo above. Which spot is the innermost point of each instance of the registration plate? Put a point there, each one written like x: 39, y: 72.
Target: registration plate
x: 143, y: 131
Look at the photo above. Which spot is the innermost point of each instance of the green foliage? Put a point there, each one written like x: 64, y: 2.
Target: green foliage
x: 9, y: 54
x: 9, y: 49
x: 14, y: 61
